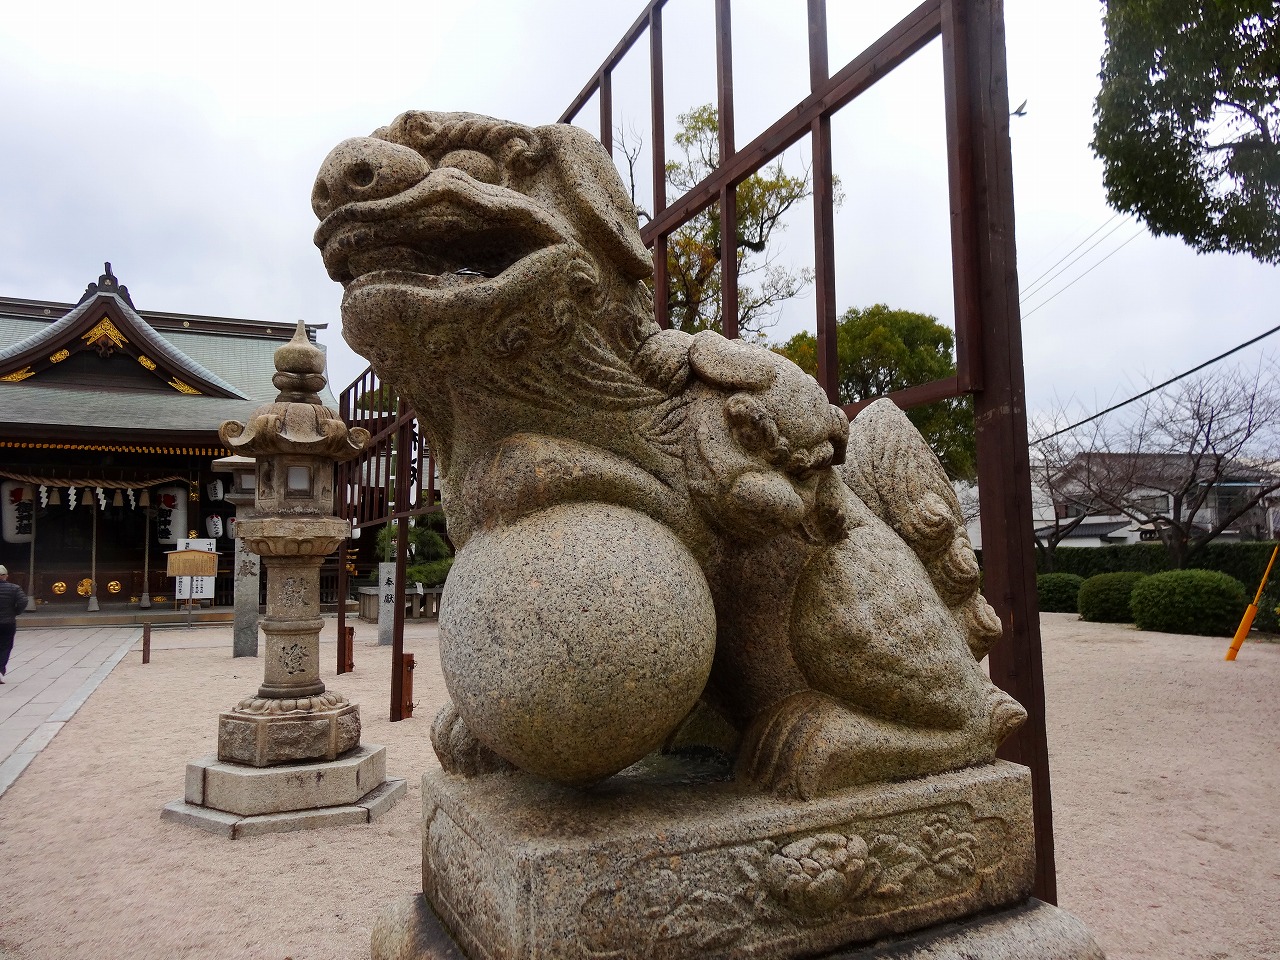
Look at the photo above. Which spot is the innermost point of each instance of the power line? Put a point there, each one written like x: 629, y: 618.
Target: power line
x: 1159, y: 386
x: 1044, y: 277
x: 1141, y: 231
x: 1030, y: 288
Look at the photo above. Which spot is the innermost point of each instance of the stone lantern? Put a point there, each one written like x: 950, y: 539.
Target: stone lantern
x: 295, y: 441
x: 306, y: 736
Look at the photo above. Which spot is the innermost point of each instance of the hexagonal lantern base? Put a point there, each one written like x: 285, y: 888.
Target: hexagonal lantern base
x: 266, y: 740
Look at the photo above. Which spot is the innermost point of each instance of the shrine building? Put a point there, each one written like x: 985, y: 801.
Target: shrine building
x: 107, y: 438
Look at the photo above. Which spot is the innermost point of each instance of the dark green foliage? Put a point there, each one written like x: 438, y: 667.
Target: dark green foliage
x: 1058, y: 592
x: 1188, y: 120
x: 1244, y: 561
x: 430, y: 554
x: 1202, y: 602
x: 880, y: 350
x: 425, y: 539
x: 1105, y: 598
x: 429, y: 574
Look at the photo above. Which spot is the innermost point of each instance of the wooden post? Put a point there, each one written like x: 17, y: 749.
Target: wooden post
x: 346, y: 650
x: 986, y: 282
x: 344, y: 655
x: 402, y: 448
x: 146, y: 643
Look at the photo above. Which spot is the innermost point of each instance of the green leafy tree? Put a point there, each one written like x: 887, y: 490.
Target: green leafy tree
x: 695, y: 297
x: 880, y: 350
x: 383, y: 399
x: 1187, y: 120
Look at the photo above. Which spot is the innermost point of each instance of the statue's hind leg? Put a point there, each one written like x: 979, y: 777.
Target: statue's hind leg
x: 809, y: 744
x: 894, y: 689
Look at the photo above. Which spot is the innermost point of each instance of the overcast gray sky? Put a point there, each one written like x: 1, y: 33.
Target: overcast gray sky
x: 180, y: 142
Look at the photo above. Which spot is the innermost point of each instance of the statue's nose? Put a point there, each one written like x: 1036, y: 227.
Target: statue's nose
x: 365, y: 169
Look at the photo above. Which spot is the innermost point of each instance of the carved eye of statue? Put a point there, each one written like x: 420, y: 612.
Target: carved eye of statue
x: 473, y: 163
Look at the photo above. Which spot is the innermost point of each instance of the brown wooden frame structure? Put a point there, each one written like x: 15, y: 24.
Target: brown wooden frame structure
x: 984, y: 277
x: 373, y: 489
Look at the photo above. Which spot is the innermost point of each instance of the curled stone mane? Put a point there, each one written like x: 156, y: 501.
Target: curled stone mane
x: 436, y: 134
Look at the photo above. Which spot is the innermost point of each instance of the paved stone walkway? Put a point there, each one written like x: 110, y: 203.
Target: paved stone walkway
x: 52, y: 671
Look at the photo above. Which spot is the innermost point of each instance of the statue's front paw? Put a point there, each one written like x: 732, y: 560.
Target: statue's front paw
x: 458, y: 749
x: 779, y: 754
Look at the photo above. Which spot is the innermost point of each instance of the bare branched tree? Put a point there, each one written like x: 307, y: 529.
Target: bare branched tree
x: 1070, y: 502
x: 695, y: 298
x: 1189, y: 462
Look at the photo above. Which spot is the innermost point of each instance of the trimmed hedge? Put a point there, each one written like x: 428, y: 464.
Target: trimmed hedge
x: 1244, y: 561
x: 1105, y: 598
x: 1202, y: 602
x: 1057, y: 592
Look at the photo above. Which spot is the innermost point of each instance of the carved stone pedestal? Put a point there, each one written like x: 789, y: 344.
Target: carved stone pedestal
x: 263, y: 739
x: 633, y: 868
x: 409, y: 930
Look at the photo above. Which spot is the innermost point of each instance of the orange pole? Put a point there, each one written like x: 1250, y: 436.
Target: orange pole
x: 1246, y: 623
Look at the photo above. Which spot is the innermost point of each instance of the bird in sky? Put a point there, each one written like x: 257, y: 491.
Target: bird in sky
x: 1021, y: 111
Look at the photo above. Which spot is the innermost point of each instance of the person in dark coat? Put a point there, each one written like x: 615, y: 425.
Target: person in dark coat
x: 12, y: 602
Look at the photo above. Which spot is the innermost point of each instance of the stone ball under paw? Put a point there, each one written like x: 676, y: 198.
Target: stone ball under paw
x: 575, y: 639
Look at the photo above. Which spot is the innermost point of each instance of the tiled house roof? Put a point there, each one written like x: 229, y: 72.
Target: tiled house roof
x: 103, y: 366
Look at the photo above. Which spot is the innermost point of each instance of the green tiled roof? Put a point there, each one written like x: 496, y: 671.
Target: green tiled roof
x: 236, y: 356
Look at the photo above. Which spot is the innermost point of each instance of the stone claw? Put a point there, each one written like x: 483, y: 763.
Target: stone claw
x: 458, y: 749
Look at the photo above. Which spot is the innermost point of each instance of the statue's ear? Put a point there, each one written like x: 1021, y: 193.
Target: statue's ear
x: 595, y: 198
x: 731, y: 363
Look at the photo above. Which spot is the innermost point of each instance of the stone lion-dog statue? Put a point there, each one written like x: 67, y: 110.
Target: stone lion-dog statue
x: 662, y: 539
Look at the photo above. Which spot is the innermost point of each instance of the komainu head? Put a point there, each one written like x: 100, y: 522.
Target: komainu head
x: 451, y: 228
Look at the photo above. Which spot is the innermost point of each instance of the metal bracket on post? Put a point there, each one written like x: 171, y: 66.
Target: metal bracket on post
x: 405, y: 664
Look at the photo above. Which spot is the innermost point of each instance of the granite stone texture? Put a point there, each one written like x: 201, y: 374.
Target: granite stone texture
x: 612, y: 702
x: 409, y: 929
x: 234, y: 825
x: 641, y: 869
x: 1030, y: 931
x: 266, y: 739
x: 236, y: 788
x: 607, y: 483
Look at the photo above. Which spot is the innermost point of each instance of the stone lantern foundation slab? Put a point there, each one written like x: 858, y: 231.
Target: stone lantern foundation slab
x: 237, y: 800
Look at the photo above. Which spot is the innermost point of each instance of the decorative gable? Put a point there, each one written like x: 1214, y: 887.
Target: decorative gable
x: 106, y: 323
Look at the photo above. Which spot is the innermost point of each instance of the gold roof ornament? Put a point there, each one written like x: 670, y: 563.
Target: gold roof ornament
x: 105, y: 337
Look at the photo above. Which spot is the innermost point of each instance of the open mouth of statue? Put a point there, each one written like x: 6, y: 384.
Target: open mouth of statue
x: 441, y: 244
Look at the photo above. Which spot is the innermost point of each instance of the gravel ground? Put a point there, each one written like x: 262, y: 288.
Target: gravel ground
x: 1164, y: 776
